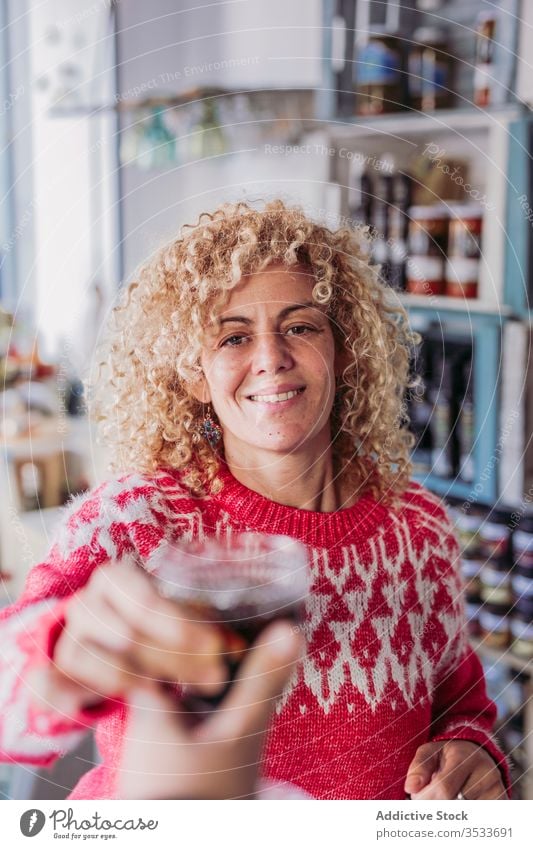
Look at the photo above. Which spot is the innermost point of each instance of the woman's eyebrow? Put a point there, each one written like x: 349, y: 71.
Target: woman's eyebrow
x: 282, y: 314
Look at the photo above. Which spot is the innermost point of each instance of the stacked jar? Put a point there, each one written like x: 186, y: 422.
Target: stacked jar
x: 445, y: 250
x: 464, y: 251
x: 495, y: 576
x: 522, y: 587
x: 467, y: 526
x: 428, y: 246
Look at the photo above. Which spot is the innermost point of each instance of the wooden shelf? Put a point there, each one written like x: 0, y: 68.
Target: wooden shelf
x: 456, y: 305
x: 168, y: 100
x: 410, y: 122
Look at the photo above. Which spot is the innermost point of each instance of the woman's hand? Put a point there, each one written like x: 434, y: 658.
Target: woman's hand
x: 120, y: 635
x: 163, y: 758
x: 442, y: 770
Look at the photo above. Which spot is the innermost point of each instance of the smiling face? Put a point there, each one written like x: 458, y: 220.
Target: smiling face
x: 269, y: 368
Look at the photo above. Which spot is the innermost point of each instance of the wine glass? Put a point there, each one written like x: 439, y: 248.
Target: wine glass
x: 240, y: 584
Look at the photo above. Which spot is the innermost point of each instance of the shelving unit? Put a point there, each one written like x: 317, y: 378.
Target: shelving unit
x: 479, y: 137
x: 516, y: 665
x: 498, y: 144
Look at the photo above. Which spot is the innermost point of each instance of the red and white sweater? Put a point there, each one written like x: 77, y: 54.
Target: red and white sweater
x: 387, y: 668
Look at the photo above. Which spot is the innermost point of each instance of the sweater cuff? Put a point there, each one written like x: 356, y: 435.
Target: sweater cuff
x: 83, y: 716
x: 479, y: 736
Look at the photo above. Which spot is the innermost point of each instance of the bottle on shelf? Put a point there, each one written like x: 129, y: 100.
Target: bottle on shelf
x: 379, y: 78
x: 209, y: 139
x: 440, y: 395
x: 464, y: 250
x: 427, y: 243
x: 522, y: 587
x: 429, y: 70
x: 386, y: 253
x: 156, y: 145
x: 360, y: 191
x: 398, y: 229
x: 484, y: 80
x: 466, y: 424
x: 467, y: 526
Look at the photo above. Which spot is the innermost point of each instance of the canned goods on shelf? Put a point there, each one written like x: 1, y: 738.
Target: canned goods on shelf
x: 522, y: 584
x: 425, y: 275
x: 521, y: 628
x: 494, y: 535
x: 467, y: 527
x: 471, y: 572
x: 496, y: 583
x: 464, y: 233
x: 523, y: 543
x: 428, y: 230
x: 494, y: 624
x: 461, y: 277
x: 472, y: 608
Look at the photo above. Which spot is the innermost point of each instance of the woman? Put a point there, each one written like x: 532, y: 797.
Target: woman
x: 257, y: 375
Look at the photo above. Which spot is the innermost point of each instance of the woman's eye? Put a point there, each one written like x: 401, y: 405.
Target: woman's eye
x: 300, y: 329
x: 233, y: 341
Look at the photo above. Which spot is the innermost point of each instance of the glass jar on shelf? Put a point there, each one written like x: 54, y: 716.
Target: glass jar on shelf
x: 208, y: 139
x: 156, y: 145
x: 494, y: 624
x: 379, y: 81
x: 429, y: 70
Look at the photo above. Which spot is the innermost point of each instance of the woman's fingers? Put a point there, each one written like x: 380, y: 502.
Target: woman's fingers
x: 101, y: 672
x: 262, y: 677
x: 483, y: 784
x: 485, y: 780
x: 463, y: 767
x: 168, y: 642
x: 422, y: 767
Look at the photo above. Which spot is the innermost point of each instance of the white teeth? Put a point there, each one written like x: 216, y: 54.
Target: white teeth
x: 273, y: 399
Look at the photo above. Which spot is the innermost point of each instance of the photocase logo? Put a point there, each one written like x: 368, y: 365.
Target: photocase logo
x: 32, y: 822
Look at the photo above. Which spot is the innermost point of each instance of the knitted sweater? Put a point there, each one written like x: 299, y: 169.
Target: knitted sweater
x: 387, y: 668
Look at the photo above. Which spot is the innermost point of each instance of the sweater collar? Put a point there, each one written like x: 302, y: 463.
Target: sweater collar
x: 345, y: 526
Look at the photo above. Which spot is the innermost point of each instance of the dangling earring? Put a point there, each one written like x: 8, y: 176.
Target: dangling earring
x: 211, y: 430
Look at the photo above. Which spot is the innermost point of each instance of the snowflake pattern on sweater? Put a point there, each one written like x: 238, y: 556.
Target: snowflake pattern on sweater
x: 387, y: 667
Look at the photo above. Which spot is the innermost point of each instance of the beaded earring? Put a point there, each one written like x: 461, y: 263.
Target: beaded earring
x: 211, y: 430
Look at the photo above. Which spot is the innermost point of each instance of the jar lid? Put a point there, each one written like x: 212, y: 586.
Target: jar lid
x: 523, y: 541
x: 521, y: 627
x: 492, y: 531
x: 428, y: 212
x: 465, y: 210
x: 469, y: 521
x: 471, y: 568
x: 522, y: 586
x: 425, y: 267
x: 495, y: 573
x: 495, y: 618
x: 429, y: 35
x: 461, y: 269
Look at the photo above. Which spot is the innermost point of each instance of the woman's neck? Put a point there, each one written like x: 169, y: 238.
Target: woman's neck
x: 295, y: 483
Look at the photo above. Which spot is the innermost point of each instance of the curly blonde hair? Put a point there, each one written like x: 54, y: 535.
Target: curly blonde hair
x: 141, y: 394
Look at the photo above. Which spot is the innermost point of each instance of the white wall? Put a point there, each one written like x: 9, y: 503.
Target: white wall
x: 172, y: 47
x: 73, y: 215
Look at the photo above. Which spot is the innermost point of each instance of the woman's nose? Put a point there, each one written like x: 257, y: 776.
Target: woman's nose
x: 271, y: 353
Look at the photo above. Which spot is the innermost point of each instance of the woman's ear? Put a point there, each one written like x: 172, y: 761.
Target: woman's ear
x: 200, y: 390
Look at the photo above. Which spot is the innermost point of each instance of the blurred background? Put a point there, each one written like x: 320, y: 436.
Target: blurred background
x: 121, y: 121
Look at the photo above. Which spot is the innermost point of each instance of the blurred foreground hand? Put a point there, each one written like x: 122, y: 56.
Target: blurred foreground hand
x: 219, y: 758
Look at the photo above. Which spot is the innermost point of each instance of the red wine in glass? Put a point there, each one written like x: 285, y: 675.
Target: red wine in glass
x: 241, y: 585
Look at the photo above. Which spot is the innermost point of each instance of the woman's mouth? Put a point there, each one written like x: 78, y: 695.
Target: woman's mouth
x: 277, y: 398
